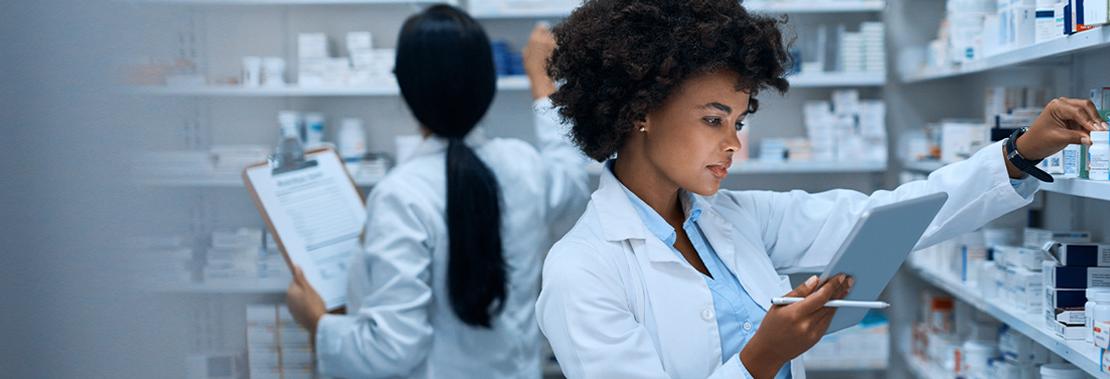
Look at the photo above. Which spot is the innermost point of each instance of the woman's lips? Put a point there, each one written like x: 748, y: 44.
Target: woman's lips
x: 719, y: 171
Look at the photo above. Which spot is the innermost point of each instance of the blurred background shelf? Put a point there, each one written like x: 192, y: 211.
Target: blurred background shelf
x: 838, y: 79
x: 1078, y: 352
x: 1091, y: 39
x: 272, y: 286
x: 1079, y: 187
x: 508, y: 83
x: 763, y: 7
x: 791, y: 167
x: 228, y: 182
x: 298, y: 2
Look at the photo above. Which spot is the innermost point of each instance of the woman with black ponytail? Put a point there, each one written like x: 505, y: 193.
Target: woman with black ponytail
x: 447, y: 282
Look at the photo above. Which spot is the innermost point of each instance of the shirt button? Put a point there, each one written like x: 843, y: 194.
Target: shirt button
x: 707, y: 314
x: 747, y: 326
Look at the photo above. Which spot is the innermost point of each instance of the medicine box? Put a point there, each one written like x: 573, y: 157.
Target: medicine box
x: 1066, y: 316
x: 1104, y: 359
x: 1012, y: 256
x: 1101, y: 332
x: 359, y: 41
x: 312, y: 45
x: 1084, y: 255
x: 1024, y: 288
x: 959, y: 140
x: 1075, y: 277
x: 1036, y: 238
x: 1064, y: 298
x: 1068, y: 332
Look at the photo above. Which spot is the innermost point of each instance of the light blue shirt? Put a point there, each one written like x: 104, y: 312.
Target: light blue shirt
x: 738, y: 315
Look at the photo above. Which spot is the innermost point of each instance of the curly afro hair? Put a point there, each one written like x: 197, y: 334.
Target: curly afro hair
x: 618, y: 60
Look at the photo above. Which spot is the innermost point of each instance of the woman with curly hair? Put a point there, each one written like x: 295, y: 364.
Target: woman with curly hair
x: 667, y: 276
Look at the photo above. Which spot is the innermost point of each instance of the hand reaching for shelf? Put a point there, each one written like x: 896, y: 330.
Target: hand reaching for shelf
x: 536, y: 55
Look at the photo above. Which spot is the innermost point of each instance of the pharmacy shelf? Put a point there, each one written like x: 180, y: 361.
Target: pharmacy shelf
x: 1040, y: 52
x: 297, y: 2
x: 790, y: 167
x: 793, y: 167
x: 1079, y: 353
x: 794, y: 6
x: 838, y: 79
x: 221, y: 182
x: 922, y: 166
x: 508, y: 83
x: 1090, y: 189
x: 816, y: 6
x: 275, y: 286
x: 1079, y: 187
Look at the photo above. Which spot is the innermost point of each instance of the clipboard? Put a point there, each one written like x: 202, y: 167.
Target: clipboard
x: 315, y: 212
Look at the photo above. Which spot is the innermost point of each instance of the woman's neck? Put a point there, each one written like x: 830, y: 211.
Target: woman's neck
x: 651, y: 186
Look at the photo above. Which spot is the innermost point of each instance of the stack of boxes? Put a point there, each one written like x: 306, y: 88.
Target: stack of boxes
x: 243, y: 254
x: 1064, y: 286
x: 846, y: 129
x: 276, y: 346
x: 863, y: 51
x: 365, y: 66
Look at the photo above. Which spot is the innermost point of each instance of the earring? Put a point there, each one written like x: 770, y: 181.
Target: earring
x: 643, y: 129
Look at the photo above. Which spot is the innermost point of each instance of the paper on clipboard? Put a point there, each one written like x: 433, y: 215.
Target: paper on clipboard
x: 316, y: 215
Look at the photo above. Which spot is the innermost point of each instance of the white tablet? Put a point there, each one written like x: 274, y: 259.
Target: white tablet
x: 876, y: 247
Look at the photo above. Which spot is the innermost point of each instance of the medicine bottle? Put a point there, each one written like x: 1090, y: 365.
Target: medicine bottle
x: 1098, y: 156
x: 1095, y: 296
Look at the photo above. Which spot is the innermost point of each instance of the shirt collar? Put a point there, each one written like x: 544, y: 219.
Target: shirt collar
x: 654, y: 222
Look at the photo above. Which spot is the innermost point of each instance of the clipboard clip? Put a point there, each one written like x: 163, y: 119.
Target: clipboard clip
x: 288, y: 157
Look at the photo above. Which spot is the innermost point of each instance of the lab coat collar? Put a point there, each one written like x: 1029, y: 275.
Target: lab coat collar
x: 435, y: 144
x: 613, y: 203
x: 655, y: 223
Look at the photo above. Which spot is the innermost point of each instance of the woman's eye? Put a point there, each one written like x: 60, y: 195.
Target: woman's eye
x: 739, y: 125
x: 713, y: 121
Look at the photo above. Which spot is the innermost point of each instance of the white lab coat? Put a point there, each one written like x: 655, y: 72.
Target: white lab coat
x: 618, y: 303
x: 400, y: 322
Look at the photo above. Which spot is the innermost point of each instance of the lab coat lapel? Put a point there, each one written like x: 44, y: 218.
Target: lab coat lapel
x: 750, y: 265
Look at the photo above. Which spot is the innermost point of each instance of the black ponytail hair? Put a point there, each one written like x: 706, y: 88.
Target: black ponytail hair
x: 446, y: 73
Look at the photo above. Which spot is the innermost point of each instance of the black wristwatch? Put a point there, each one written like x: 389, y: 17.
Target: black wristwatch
x: 1025, y: 165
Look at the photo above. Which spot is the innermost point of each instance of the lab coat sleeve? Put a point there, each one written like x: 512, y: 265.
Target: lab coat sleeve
x: 802, y: 231
x: 584, y: 312
x: 564, y: 165
x: 390, y: 334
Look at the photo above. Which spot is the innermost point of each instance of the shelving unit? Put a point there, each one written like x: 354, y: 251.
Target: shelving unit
x: 1080, y: 353
x: 818, y: 6
x: 508, y: 83
x: 1085, y: 188
x: 1032, y: 54
x: 790, y: 167
x: 1079, y: 187
x: 794, y: 167
x: 276, y: 286
x: 220, y: 182
x: 298, y: 2
x: 763, y: 7
x: 838, y: 79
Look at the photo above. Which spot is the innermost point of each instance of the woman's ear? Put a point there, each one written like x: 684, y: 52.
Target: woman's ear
x: 643, y: 124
